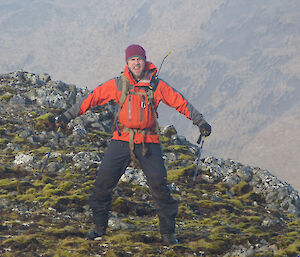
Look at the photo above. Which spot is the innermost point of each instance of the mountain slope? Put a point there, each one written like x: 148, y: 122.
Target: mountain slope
x: 230, y: 209
x: 236, y: 61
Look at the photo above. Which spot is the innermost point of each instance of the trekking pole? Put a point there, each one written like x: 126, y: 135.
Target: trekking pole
x: 51, y: 148
x: 199, y: 141
x: 163, y: 62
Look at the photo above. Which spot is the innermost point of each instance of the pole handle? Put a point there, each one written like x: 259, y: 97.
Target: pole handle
x: 199, y: 139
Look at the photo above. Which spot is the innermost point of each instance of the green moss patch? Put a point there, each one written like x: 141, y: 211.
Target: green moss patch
x: 44, y: 122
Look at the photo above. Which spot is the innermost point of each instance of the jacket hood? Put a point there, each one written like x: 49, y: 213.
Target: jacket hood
x: 150, y: 71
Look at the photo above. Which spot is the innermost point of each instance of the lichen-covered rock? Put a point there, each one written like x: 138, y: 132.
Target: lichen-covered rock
x: 22, y: 158
x: 85, y: 159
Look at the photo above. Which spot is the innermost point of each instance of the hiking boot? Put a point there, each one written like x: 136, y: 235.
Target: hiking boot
x: 96, y: 231
x: 169, y: 239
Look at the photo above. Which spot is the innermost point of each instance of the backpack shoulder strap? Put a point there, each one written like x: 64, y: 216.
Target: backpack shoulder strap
x: 151, y: 89
x: 153, y: 84
x: 122, y: 83
x: 150, y: 94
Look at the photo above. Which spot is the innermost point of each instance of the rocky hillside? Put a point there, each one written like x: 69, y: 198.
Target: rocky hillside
x: 230, y: 210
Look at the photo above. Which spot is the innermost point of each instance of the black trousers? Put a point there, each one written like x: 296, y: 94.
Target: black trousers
x: 116, y: 159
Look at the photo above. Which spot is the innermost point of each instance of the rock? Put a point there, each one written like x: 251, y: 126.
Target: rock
x: 45, y: 77
x: 135, y: 176
x: 168, y: 131
x: 117, y: 224
x: 53, y: 168
x: 207, y: 178
x: 19, y: 100
x: 245, y: 173
x: 231, y: 180
x: 79, y: 130
x: 169, y: 157
x: 269, y: 222
x: 22, y: 158
x: 85, y: 159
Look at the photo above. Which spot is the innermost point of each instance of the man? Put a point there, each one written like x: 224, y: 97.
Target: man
x: 137, y: 92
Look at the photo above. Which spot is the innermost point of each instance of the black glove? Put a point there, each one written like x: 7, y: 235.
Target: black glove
x: 61, y: 121
x: 205, y: 129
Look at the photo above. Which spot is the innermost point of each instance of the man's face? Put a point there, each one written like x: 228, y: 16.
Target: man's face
x: 136, y: 65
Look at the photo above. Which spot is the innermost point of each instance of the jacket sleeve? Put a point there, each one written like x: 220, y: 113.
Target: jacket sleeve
x: 172, y: 98
x: 100, y: 96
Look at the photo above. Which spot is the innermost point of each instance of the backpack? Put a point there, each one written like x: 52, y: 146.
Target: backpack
x: 123, y: 83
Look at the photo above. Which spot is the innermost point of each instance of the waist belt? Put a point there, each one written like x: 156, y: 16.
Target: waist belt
x: 132, y: 132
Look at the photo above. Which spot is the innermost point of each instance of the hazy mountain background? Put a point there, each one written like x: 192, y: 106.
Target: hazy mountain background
x: 237, y: 61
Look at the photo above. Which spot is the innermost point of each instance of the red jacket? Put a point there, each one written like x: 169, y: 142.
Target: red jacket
x: 135, y: 111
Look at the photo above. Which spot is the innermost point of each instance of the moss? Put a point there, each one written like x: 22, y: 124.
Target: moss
x: 294, y: 234
x: 6, y: 97
x: 44, y: 122
x: 65, y: 231
x: 120, y: 238
x: 174, y: 164
x: 75, y: 243
x: 240, y: 188
x: 23, y: 242
x: 184, y: 211
x: 41, y: 150
x: 112, y: 253
x: 3, y: 168
x: 18, y: 139
x: 26, y: 197
x: 33, y: 114
x: 4, y: 195
x: 102, y: 133
x: 48, y: 187
x: 214, y: 247
x: 186, y: 157
x: 3, y: 141
x: 72, y: 176
x: 38, y: 184
x: 265, y: 254
x: 164, y: 140
x: 9, y: 184
x: 120, y: 205
x: 255, y: 219
x: 295, y: 224
x: 46, y: 180
x: 174, y: 175
x: 65, y: 253
x: 62, y: 202
x: 292, y: 250
x: 66, y: 185
x: 236, y: 202
x: 209, y: 222
x: 171, y: 253
x: 252, y: 196
x: 177, y: 148
x: 53, y: 192
x: 289, y: 239
x: 2, y: 131
x: 253, y: 229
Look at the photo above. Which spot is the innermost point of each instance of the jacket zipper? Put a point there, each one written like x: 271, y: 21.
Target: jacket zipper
x: 129, y: 108
x: 143, y: 106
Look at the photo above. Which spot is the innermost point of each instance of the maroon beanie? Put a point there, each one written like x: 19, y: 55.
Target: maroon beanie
x: 135, y: 50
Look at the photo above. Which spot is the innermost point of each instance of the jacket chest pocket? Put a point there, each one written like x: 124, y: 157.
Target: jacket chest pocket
x: 136, y: 112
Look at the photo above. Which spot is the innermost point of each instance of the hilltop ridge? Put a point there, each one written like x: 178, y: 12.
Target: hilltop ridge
x: 230, y: 210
